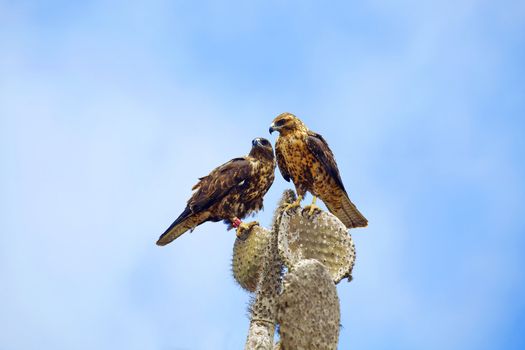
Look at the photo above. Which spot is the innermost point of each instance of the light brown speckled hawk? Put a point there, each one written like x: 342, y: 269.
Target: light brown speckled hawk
x: 304, y: 157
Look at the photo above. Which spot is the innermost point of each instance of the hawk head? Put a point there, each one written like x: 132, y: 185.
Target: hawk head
x: 261, y: 147
x: 287, y: 122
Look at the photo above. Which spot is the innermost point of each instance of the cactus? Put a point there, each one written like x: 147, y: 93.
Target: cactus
x: 248, y: 254
x: 317, y: 253
x: 308, y: 308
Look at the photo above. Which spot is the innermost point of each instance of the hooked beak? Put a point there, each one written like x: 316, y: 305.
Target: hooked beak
x: 256, y: 142
x: 272, y: 128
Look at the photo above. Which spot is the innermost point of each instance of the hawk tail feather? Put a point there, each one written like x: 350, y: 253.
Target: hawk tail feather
x: 186, y: 221
x: 349, y: 214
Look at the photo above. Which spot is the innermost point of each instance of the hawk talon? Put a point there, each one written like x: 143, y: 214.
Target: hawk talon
x: 295, y: 204
x: 244, y: 228
x: 311, y: 208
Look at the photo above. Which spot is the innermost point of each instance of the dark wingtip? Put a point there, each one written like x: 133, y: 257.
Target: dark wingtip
x: 360, y: 222
x: 160, y: 243
x: 168, y: 237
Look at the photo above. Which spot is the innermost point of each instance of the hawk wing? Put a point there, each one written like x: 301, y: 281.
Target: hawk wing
x: 218, y: 183
x: 319, y: 148
x: 208, y: 191
x: 342, y: 207
x: 281, y: 162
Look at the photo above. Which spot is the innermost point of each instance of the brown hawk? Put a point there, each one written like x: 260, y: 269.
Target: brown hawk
x: 230, y: 192
x: 304, y: 157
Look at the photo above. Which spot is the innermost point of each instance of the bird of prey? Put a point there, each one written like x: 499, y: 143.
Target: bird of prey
x: 304, y: 157
x: 230, y: 192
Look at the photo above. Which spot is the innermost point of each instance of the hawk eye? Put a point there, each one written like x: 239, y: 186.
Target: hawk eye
x: 265, y: 142
x: 280, y: 122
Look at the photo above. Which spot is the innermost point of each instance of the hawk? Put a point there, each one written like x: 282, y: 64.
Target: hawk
x: 304, y: 157
x: 230, y: 192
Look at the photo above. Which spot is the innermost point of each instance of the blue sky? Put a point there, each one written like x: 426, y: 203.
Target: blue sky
x: 109, y: 111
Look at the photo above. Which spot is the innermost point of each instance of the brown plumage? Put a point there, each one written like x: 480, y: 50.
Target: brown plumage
x: 304, y: 157
x: 230, y: 192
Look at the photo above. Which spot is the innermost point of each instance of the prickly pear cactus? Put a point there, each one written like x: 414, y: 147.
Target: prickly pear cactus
x: 264, y: 307
x: 320, y: 236
x: 308, y: 308
x: 318, y: 252
x: 248, y: 256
